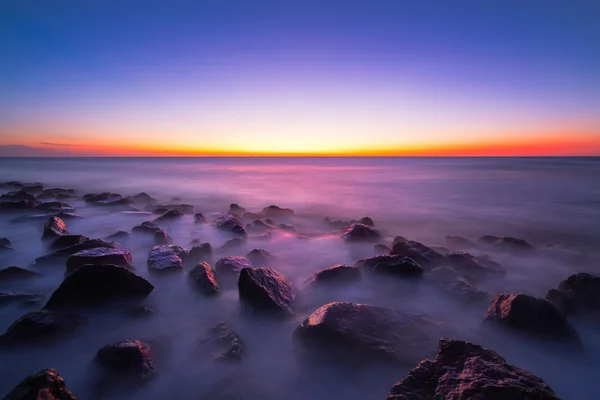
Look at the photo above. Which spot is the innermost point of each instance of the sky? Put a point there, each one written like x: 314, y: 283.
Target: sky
x: 288, y: 77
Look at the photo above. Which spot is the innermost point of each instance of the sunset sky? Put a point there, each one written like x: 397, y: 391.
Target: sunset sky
x: 240, y: 77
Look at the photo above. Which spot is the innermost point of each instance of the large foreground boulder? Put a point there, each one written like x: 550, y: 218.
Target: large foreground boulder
x: 96, y: 285
x: 423, y: 255
x: 221, y: 343
x: 40, y: 327
x: 530, y: 315
x: 54, y: 227
x: 127, y: 359
x: 266, y: 290
x: 166, y: 258
x: 203, y: 278
x: 361, y: 233
x: 368, y: 332
x: 462, y: 370
x: 578, y: 294
x: 100, y: 256
x: 46, y: 384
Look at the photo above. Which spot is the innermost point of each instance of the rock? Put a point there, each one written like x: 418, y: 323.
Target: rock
x: 232, y: 244
x: 41, y: 326
x: 266, y: 290
x: 368, y: 332
x: 166, y: 258
x: 265, y: 237
x: 54, y: 227
x: 360, y: 233
x: 46, y: 384
x: 462, y: 370
x: 231, y: 265
x: 339, y: 225
x: 11, y: 274
x: 97, y: 285
x: 236, y: 209
x: 230, y: 224
x: 17, y: 205
x: 505, y: 243
x: 5, y: 245
x: 141, y: 312
x: 33, y: 189
x: 276, y: 212
x: 184, y: 208
x: 530, y: 315
x: 67, y: 215
x: 143, y: 198
x: 54, y: 206
x: 381, y: 249
x: 423, y: 255
x: 50, y: 193
x: 578, y: 294
x: 25, y: 299
x: 119, y: 235
x: 128, y: 359
x: 97, y: 197
x: 64, y: 254
x: 202, y: 252
x: 203, y: 277
x: 261, y: 226
x: 12, y: 185
x: 222, y: 343
x: 404, y: 267
x: 199, y: 218
x: 17, y: 196
x: 454, y: 284
x: 100, y: 256
x: 62, y: 242
x: 169, y: 216
x: 159, y: 236
x: 457, y: 242
x: 474, y: 266
x: 366, y: 221
x: 337, y: 274
x: 287, y: 228
x: 369, y: 264
x: 260, y: 258
x: 250, y: 215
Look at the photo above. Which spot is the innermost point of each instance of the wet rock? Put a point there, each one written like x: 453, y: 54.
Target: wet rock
x: 369, y: 264
x: 287, y: 228
x: 250, y: 215
x: 231, y: 224
x: 184, y: 208
x: 40, y: 327
x: 199, y: 218
x: 404, y: 267
x: 337, y: 274
x: 360, y: 233
x: 474, y: 266
x: 46, y: 384
x: 119, y: 235
x: 261, y: 226
x: 236, y: 209
x: 350, y: 330
x: 530, y: 315
x: 50, y: 193
x: 338, y: 225
x: 25, y: 299
x: 12, y: 185
x: 11, y: 274
x: 33, y: 189
x: 62, y: 242
x: 233, y: 244
x: 505, y: 243
x: 169, y: 216
x: 128, y: 359
x: 266, y: 290
x: 166, y: 258
x: 455, y: 285
x: 462, y: 370
x: 100, y: 256
x: 425, y: 256
x: 222, y: 343
x: 203, y: 277
x: 63, y: 254
x: 17, y: 196
x: 276, y: 212
x: 381, y: 249
x: 199, y: 253
x: 17, y: 205
x: 366, y: 221
x: 54, y: 227
x: 159, y: 236
x: 458, y: 242
x: 231, y: 265
x: 98, y: 197
x: 97, y: 285
x: 143, y: 198
x: 53, y: 206
x: 260, y: 258
x: 578, y: 294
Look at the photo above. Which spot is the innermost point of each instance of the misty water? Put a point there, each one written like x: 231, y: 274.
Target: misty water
x: 546, y: 201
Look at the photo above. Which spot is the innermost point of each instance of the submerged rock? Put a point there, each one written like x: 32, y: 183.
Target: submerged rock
x: 404, y: 267
x: 41, y: 326
x: 458, y: 242
x: 119, y: 235
x: 231, y: 224
x: 222, y: 343
x: 62, y: 242
x: 425, y: 256
x: 231, y: 265
x: 166, y: 258
x: 350, y: 330
x: 54, y: 227
x: 462, y: 370
x: 505, y: 243
x: 5, y: 245
x: 276, y: 212
x: 260, y: 258
x: 17, y: 205
x: 18, y: 196
x: 160, y: 237
x: 97, y: 285
x: 184, y: 208
x: 63, y: 254
x: 337, y: 274
x: 128, y: 359
x: 266, y: 290
x: 261, y: 225
x: 578, y: 294
x: 236, y: 209
x: 530, y: 315
x: 232, y: 244
x: 472, y: 265
x: 203, y: 277
x: 199, y: 253
x: 100, y: 256
x: 454, y: 284
x: 369, y: 263
x: 100, y: 197
x: 143, y: 198
x: 10, y: 274
x: 169, y: 216
x: 199, y: 218
x: 361, y: 233
x: 46, y: 384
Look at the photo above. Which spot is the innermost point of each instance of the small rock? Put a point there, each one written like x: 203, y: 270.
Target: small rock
x: 119, y: 235
x: 54, y: 227
x: 425, y: 256
x: 17, y: 196
x: 230, y: 224
x: 10, y: 274
x: 236, y: 209
x: 458, y: 242
x: 143, y: 198
x: 128, y: 359
x: 40, y: 327
x: 184, y: 208
x: 64, y: 254
x: 62, y: 242
x: 404, y: 267
x: 360, y: 233
x: 232, y: 244
x: 166, y: 258
x: 369, y: 263
x: 266, y: 290
x: 287, y: 228
x: 276, y: 212
x: 46, y: 384
x: 222, y: 343
x: 449, y: 280
x: 337, y: 274
x: 199, y: 218
x: 17, y: 205
x: 366, y: 221
x: 159, y: 236
x: 100, y: 197
x: 231, y: 265
x: 201, y: 252
x: 261, y: 226
x: 260, y: 258
x: 472, y: 265
x: 100, y: 256
x: 204, y: 280
x: 169, y: 216
x: 33, y: 189
x: 5, y: 245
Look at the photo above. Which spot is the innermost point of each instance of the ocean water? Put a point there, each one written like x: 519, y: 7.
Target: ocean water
x: 546, y: 201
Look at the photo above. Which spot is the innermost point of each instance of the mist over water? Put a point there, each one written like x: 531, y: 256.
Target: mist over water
x: 542, y: 200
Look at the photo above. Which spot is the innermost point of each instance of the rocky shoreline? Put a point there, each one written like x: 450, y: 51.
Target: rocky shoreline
x: 101, y: 274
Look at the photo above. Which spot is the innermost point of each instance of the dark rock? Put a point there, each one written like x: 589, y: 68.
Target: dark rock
x: 337, y: 274
x: 425, y: 256
x: 366, y: 221
x: 54, y: 227
x: 25, y: 299
x: 222, y: 343
x: 505, y: 243
x: 33, y: 189
x: 455, y: 285
x: 46, y: 384
x: 230, y: 224
x: 141, y: 312
x: 184, y: 208
x: 204, y: 280
x: 462, y: 370
x: 360, y: 233
x: 12, y: 185
x: 236, y: 209
x: 232, y: 244
x: 287, y: 228
x: 17, y: 205
x: 261, y: 226
x: 530, y: 315
x: 381, y: 249
x: 404, y: 267
x: 201, y: 252
x: 20, y: 195
x: 260, y: 258
x: 265, y: 237
x: 62, y: 242
x: 49, y: 193
x: 143, y: 198
x: 169, y: 216
x: 578, y: 294
x: 100, y: 256
x: 250, y: 215
x: 339, y: 225
x: 41, y: 326
x: 119, y: 235
x: 65, y: 196
x: 97, y: 285
x: 368, y: 332
x: 166, y: 258
x: 159, y: 236
x: 128, y: 359
x: 369, y: 263
x: 63, y: 254
x: 15, y: 274
x: 53, y: 206
x: 276, y: 212
x: 98, y: 197
x: 472, y: 265
x: 231, y: 265
x: 5, y: 242
x: 5, y: 245
x: 199, y: 218
x: 266, y: 290
x: 159, y: 211
x: 457, y: 242
x: 67, y: 215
